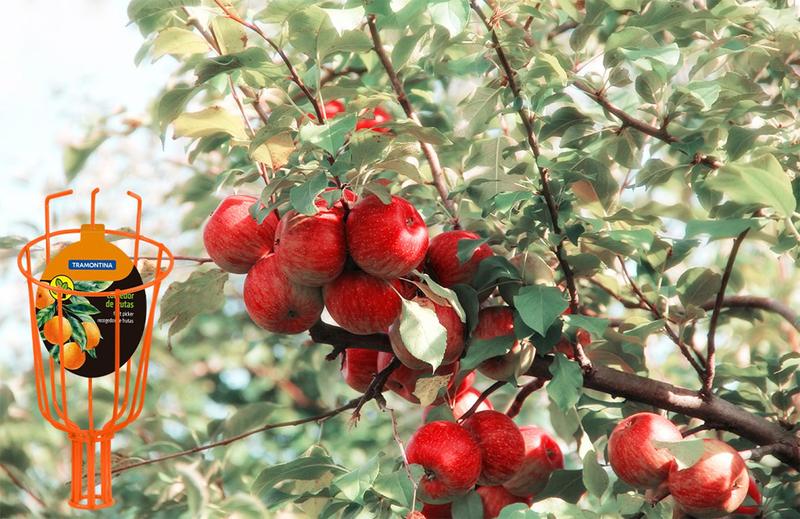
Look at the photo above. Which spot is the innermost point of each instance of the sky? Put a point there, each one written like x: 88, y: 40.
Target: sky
x: 64, y: 65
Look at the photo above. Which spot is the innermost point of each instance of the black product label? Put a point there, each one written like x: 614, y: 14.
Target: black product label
x: 88, y: 327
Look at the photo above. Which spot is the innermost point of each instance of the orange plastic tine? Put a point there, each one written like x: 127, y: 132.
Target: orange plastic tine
x: 138, y: 224
x: 94, y: 196
x: 41, y: 385
x: 105, y: 470
x: 77, y: 456
x: 145, y: 356
x: 116, y: 413
x: 90, y: 493
x: 47, y: 218
x: 90, y: 404
x: 143, y: 369
x: 159, y: 275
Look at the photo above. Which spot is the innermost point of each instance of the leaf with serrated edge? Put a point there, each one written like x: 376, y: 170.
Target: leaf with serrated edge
x: 428, y: 388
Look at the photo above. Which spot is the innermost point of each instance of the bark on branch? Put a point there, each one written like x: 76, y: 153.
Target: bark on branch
x: 663, y: 395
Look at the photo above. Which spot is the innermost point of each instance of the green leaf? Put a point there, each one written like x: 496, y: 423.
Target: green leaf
x: 482, y: 349
x: 353, y: 484
x: 760, y: 182
x: 44, y: 315
x: 469, y: 506
x: 172, y: 103
x: 718, y: 229
x: 539, y: 306
x: 12, y: 242
x: 520, y: 511
x: 345, y: 19
x: 272, y: 150
x: 82, y: 308
x: 201, y: 293
x: 594, y: 325
x: 422, y: 333
x: 421, y: 133
x: 566, y: 386
x: 687, y: 452
x: 253, y: 59
x: 698, y: 285
x: 148, y: 14
x: 302, y: 196
x: 306, y: 468
x: 92, y: 286
x: 209, y: 121
x: 656, y: 172
x: 467, y: 247
x: 311, y: 32
x: 450, y: 14
x: 562, y: 119
x: 230, y: 35
x: 479, y: 107
x: 75, y: 156
x: 740, y: 141
x: 595, y: 477
x: 178, y: 42
x: 6, y: 399
x: 564, y: 484
x: 78, y: 333
x: 329, y: 136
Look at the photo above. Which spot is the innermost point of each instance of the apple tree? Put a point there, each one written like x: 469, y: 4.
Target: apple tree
x: 479, y: 258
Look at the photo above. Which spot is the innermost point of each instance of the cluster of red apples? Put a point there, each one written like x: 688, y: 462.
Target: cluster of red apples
x: 714, y: 486
x: 509, y: 464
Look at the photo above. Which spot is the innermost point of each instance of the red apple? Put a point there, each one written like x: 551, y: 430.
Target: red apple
x: 430, y: 511
x: 379, y: 117
x: 454, y: 342
x: 442, y: 259
x: 386, y: 240
x: 498, y: 321
x: 359, y: 367
x: 542, y: 457
x: 714, y: 486
x: 403, y: 381
x: 331, y: 109
x: 465, y: 400
x: 632, y: 454
x: 311, y: 250
x: 232, y: 237
x: 361, y: 303
x: 277, y: 304
x: 496, y: 498
x: 501, y: 444
x: 451, y: 460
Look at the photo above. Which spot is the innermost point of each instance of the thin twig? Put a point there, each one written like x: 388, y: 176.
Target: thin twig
x: 296, y: 79
x: 483, y: 396
x: 659, y: 132
x: 196, y: 259
x: 375, y: 388
x: 762, y: 303
x: 695, y: 362
x: 318, y: 418
x: 427, y: 149
x: 402, y: 448
x: 14, y: 479
x: 708, y: 382
x: 759, y: 452
x: 700, y: 428
x: 533, y: 143
x: 516, y: 405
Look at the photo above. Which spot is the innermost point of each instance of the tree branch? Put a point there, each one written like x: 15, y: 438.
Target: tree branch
x: 533, y: 143
x: 761, y: 303
x: 19, y: 484
x: 318, y: 418
x: 659, y: 315
x: 296, y: 79
x: 708, y: 382
x: 725, y: 415
x: 427, y: 149
x: 375, y: 388
x: 660, y: 133
x: 729, y: 417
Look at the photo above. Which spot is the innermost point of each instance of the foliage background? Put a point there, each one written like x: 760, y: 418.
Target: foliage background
x: 222, y: 364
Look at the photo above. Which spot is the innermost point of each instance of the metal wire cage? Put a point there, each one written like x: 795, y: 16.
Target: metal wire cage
x: 54, y: 405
